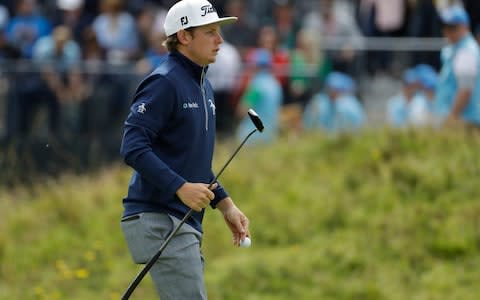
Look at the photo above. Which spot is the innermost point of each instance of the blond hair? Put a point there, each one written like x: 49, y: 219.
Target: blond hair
x: 172, y: 42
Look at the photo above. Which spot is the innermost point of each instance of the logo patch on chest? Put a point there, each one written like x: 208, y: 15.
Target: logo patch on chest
x: 191, y: 105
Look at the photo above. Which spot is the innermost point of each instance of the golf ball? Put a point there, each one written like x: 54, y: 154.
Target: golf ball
x: 246, y: 242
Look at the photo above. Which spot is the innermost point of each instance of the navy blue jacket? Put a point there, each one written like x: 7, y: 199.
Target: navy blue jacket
x: 168, y: 139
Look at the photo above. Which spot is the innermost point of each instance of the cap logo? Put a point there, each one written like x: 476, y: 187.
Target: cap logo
x: 206, y: 9
x: 184, y: 20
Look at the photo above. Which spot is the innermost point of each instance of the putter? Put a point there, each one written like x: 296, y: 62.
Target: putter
x: 258, y: 127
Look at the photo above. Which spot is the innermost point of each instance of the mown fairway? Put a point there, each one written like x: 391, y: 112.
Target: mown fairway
x: 384, y: 215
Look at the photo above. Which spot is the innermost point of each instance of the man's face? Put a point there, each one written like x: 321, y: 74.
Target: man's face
x: 267, y: 38
x: 409, y: 90
x: 333, y: 94
x: 204, y: 44
x: 453, y: 33
x: 26, y: 7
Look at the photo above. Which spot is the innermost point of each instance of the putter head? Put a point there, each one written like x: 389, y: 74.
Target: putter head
x: 255, y: 119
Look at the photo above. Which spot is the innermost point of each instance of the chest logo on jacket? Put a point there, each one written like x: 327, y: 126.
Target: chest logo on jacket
x: 187, y: 105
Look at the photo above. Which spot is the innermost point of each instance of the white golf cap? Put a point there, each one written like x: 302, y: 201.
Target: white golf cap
x: 192, y: 13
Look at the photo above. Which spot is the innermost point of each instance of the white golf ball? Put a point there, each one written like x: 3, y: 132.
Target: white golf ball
x: 246, y: 242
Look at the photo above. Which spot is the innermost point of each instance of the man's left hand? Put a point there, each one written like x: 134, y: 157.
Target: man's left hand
x: 235, y: 219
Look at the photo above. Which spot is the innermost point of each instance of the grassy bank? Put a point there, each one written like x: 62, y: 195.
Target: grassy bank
x: 385, y: 215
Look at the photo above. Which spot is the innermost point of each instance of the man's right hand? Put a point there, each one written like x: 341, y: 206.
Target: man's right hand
x: 196, y: 195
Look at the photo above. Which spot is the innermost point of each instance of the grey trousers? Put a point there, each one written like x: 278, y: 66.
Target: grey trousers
x: 178, y: 273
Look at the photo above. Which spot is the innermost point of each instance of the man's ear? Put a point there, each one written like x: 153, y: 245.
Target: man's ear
x: 184, y: 37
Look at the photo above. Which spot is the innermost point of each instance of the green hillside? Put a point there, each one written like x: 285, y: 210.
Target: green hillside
x: 384, y: 215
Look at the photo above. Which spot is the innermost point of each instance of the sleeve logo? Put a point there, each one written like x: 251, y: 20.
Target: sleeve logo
x: 212, y: 106
x: 141, y: 108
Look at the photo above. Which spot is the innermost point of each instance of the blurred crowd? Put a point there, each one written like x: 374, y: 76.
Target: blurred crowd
x: 79, y: 51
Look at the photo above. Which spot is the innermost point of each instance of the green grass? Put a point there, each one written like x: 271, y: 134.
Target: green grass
x: 384, y: 215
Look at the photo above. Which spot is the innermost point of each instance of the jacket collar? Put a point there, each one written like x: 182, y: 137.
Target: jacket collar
x: 194, y: 69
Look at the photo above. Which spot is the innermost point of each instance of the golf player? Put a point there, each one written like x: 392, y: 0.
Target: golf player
x: 458, y: 92
x: 168, y: 140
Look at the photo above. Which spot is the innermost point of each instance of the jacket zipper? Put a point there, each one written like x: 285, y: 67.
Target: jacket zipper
x: 202, y: 78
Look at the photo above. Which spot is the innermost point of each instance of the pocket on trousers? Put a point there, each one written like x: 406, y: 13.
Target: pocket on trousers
x: 145, y: 234
x: 157, y: 226
x: 131, y: 228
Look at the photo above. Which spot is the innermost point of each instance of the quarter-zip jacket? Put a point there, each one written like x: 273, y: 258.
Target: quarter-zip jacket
x: 168, y: 139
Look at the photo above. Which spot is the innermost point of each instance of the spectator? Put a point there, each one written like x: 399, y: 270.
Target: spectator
x: 381, y: 18
x: 154, y: 55
x: 155, y: 50
x: 458, y: 93
x: 390, y: 16
x: 145, y: 20
x: 241, y: 34
x: 267, y: 39
x: 397, y: 106
x: 26, y: 27
x: 333, y: 20
x: 337, y: 110
x: 264, y: 95
x: 7, y: 51
x: 285, y: 23
x: 420, y: 112
x: 59, y: 47
x: 23, y: 31
x: 223, y: 75
x: 72, y: 14
x: 308, y: 67
x: 55, y: 55
x: 93, y: 54
x: 116, y: 32
x: 424, y: 22
x: 89, y: 83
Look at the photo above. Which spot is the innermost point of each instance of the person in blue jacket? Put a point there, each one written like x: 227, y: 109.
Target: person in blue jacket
x: 337, y: 110
x: 420, y: 108
x: 397, y: 106
x: 168, y: 140
x: 458, y: 93
x: 413, y: 107
x: 264, y: 95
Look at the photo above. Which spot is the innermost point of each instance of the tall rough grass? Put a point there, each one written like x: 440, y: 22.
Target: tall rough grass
x: 383, y: 215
